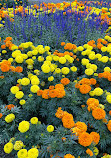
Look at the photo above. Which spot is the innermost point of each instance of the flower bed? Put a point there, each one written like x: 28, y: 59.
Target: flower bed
x: 55, y: 76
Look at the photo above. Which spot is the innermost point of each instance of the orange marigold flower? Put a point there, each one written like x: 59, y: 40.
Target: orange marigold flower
x: 59, y: 113
x: 6, y: 62
x: 110, y: 112
x: 45, y: 94
x: 98, y: 113
x: 104, y: 42
x: 3, y: 46
x: 69, y: 156
x: 62, y: 43
x: 109, y: 77
x: 77, y: 85
x: 93, y: 81
x: 85, y: 139
x: 5, y: 68
x: 106, y: 74
x: 84, y: 89
x: 8, y: 38
x: 51, y: 87
x: 65, y: 81
x: 95, y: 137
x: 74, y: 46
x: 1, y: 115
x: 100, y: 75
x: 59, y: 86
x: 109, y: 125
x: 89, y: 152
x: 67, y: 120
x: 18, y: 69
x: 12, y: 68
x: 92, y: 106
x: 10, y: 106
x: 85, y: 81
x: 81, y: 126
x: 68, y: 46
x: 60, y: 92
x: 52, y: 93
x: 39, y: 92
x: 93, y: 100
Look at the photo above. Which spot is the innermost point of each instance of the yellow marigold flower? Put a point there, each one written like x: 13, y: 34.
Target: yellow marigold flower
x: 51, y: 78
x: 62, y: 60
x: 34, y: 120
x: 73, y: 68
x: 34, y: 88
x: 22, y: 102
x: 8, y: 148
x: 65, y: 70
x: 107, y: 69
x: 35, y: 81
x: 89, y: 71
x: 57, y: 70
x: 14, y: 89
x: 85, y: 61
x: 19, y: 94
x: 50, y: 128
x: 19, y: 59
x: 23, y: 126
x: 98, y: 91
x: 22, y: 153
x: 108, y: 98
x: 45, y: 68
x: 9, y: 118
x: 96, y: 151
x: 47, y: 48
x: 25, y: 81
x: 33, y: 153
x: 18, y: 145
x: 40, y: 58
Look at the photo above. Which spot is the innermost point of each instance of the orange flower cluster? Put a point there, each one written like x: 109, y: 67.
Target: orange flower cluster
x: 69, y: 156
x: 85, y: 139
x: 98, y: 113
x: 84, y: 85
x: 5, y: 66
x: 109, y: 125
x: 101, y: 43
x: 1, y: 115
x: 92, y: 43
x: 89, y: 152
x: 95, y: 137
x: 57, y: 91
x: 10, y: 106
x: 106, y: 75
x: 70, y: 46
x: 65, y: 81
x: 79, y: 128
x: 92, y: 104
x: 56, y: 52
x: 8, y: 43
x: 67, y: 119
x: 105, y: 18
